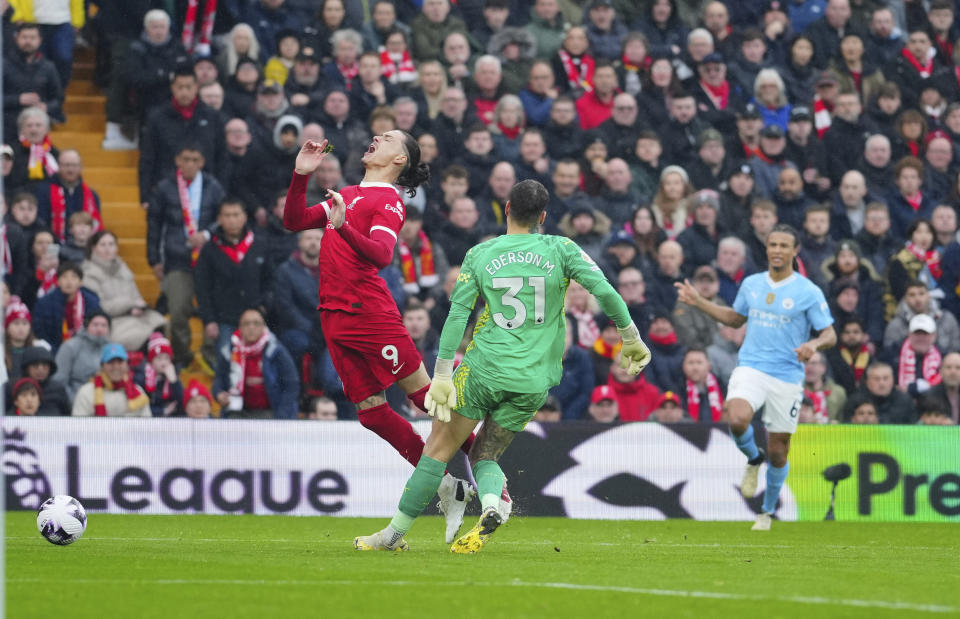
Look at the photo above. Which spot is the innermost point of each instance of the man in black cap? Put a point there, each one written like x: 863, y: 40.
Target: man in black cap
x: 711, y: 166
x: 39, y: 365
x: 806, y: 151
x: 304, y: 86
x: 735, y: 199
x: 717, y: 98
x: 742, y: 145
x: 699, y: 240
x: 587, y: 228
x: 770, y: 160
x: 271, y: 104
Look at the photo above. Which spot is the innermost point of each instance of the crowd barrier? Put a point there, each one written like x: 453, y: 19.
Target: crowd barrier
x: 631, y: 471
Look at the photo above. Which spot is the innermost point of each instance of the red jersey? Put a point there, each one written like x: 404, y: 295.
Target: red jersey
x: 349, y: 280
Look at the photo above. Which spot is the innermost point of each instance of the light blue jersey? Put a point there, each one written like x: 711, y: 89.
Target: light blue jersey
x: 779, y: 319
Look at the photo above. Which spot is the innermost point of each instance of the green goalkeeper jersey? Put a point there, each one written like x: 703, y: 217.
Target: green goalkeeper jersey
x: 518, y: 340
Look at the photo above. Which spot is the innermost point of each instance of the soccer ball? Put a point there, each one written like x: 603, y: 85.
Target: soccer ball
x: 61, y: 520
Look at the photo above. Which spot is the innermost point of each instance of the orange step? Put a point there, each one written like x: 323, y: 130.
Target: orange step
x: 85, y: 104
x: 118, y: 193
x: 110, y: 177
x: 81, y: 87
x: 93, y: 123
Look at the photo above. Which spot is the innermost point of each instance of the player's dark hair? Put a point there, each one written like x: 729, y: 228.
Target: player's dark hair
x: 528, y: 199
x: 788, y: 229
x: 416, y: 172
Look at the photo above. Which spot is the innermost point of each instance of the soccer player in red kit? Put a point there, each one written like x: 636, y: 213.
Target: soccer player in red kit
x: 369, y: 346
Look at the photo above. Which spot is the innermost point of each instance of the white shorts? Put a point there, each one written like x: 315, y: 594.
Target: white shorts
x: 780, y: 400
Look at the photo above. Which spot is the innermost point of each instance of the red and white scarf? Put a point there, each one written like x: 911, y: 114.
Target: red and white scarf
x: 189, y: 224
x: 719, y: 95
x: 348, y: 73
x: 714, y: 397
x: 930, y: 257
x: 819, y: 398
x: 206, y: 27
x: 48, y: 281
x: 587, y: 330
x: 41, y: 164
x: 237, y: 252
x: 150, y: 382
x: 821, y: 115
x: 925, y: 70
x: 136, y: 398
x: 58, y: 209
x: 239, y: 356
x: 397, y: 68
x: 907, y: 372
x: 428, y: 274
x: 73, y: 316
x: 579, y: 74
x: 6, y: 259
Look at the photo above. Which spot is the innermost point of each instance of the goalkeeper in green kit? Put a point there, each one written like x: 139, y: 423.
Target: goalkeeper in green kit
x: 515, y: 357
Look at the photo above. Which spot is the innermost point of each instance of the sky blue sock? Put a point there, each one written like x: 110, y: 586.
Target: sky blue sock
x: 775, y: 478
x: 746, y: 443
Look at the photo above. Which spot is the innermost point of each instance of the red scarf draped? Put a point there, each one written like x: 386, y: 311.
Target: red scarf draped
x: 914, y: 147
x: 58, y: 209
x: 185, y: 110
x: 587, y: 330
x: 510, y: 133
x: 41, y: 163
x: 348, y: 73
x: 945, y: 46
x: 136, y: 398
x: 237, y: 252
x: 819, y: 398
x: 73, y: 313
x: 714, y: 397
x: 190, y: 226
x: 664, y: 340
x: 821, y: 115
x: 579, y: 74
x: 907, y: 372
x: 239, y: 356
x: 606, y: 350
x: 720, y: 95
x: 428, y: 275
x: 396, y: 69
x: 629, y: 66
x: 150, y: 382
x: 48, y: 281
x: 925, y: 70
x: 206, y: 26
x: 931, y: 258
x: 859, y: 364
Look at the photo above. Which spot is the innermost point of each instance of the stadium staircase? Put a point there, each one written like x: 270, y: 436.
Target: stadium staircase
x: 113, y: 174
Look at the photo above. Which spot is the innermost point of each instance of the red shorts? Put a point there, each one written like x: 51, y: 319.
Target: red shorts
x: 369, y: 352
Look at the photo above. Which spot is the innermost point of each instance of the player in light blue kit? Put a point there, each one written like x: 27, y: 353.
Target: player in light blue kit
x: 780, y: 307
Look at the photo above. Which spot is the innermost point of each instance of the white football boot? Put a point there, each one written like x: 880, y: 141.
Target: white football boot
x: 454, y: 495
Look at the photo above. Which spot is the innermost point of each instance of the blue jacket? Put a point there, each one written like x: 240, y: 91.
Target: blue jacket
x: 48, y: 314
x: 296, y: 295
x: 280, y: 377
x: 576, y: 384
x: 537, y: 107
x: 779, y: 116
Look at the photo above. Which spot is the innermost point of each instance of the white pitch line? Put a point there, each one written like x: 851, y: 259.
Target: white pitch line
x: 677, y: 593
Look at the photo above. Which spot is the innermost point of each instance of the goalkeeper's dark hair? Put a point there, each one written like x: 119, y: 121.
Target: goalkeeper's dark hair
x: 416, y: 172
x: 528, y: 199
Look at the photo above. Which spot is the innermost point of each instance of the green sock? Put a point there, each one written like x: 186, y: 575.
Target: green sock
x: 490, y: 480
x: 420, y: 489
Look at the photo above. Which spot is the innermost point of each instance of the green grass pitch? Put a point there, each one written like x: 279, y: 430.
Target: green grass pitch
x: 264, y: 567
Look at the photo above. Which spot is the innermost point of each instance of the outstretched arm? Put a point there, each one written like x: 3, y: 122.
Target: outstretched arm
x: 686, y: 293
x: 827, y: 338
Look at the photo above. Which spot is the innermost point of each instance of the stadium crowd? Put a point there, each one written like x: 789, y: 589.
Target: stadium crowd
x: 672, y: 135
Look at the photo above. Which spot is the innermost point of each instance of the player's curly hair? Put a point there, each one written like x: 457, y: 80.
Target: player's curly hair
x: 416, y: 172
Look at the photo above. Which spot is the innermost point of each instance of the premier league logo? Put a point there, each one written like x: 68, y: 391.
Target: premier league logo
x: 27, y: 485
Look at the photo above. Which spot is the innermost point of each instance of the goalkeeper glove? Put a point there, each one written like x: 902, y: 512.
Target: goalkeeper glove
x: 634, y: 356
x: 441, y: 398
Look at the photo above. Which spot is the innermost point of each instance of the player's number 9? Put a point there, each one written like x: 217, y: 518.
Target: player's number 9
x: 513, y: 286
x: 389, y: 353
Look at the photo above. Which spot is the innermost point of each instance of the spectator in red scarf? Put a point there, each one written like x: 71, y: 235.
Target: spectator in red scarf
x: 849, y: 360
x: 27, y: 396
x: 112, y: 392
x: 917, y: 360
x: 422, y: 262
x: 181, y: 215
x: 826, y: 396
x: 909, y: 203
x: 731, y: 267
x: 703, y: 399
x: 717, y: 98
x: 35, y: 158
x: 573, y: 65
x: 256, y: 377
x: 232, y: 273
x: 918, y: 300
x: 916, y: 63
x: 60, y: 314
x: 160, y: 379
x: 636, y: 398
x: 66, y: 193
x: 668, y: 374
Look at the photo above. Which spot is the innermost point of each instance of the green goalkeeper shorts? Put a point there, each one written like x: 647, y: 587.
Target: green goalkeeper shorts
x: 475, y: 400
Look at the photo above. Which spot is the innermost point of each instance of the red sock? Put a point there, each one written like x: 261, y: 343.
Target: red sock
x: 417, y: 398
x: 394, y: 429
